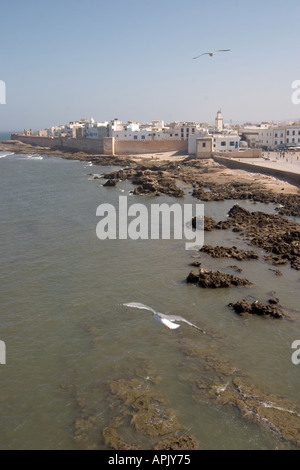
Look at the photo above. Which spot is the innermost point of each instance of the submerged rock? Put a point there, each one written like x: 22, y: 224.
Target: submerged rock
x: 276, y: 413
x: 196, y: 264
x: 114, y: 441
x: 185, y: 442
x: 138, y: 401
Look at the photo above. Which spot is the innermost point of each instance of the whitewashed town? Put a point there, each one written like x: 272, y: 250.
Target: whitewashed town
x: 226, y: 137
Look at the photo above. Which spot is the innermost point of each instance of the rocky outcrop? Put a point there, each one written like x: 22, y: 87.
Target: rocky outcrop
x: 287, y: 204
x: 276, y: 235
x: 110, y: 183
x: 233, y: 252
x: 149, y: 181
x: 258, y: 308
x: 214, y: 280
x: 209, y: 223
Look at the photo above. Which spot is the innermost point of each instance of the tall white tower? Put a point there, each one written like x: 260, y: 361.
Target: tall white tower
x: 219, y: 121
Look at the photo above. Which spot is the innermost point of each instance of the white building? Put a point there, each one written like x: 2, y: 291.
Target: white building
x: 221, y: 142
x: 292, y: 136
x: 265, y: 138
x: 96, y: 130
x: 226, y: 142
x: 270, y: 136
x: 277, y: 137
x: 223, y: 139
x: 157, y: 130
x: 192, y: 141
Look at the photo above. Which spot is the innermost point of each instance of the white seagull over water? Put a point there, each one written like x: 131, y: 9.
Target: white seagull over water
x: 167, y: 320
x: 211, y: 54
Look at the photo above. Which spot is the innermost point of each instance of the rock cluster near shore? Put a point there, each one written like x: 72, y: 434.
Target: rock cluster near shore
x: 232, y: 252
x: 258, y: 308
x: 214, y: 280
x: 148, y: 181
x: 276, y: 235
x: 273, y: 233
x: 288, y: 204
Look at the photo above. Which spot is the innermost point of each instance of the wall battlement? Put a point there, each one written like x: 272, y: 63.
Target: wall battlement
x: 105, y: 146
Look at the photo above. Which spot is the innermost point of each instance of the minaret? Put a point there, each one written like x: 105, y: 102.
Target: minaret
x: 219, y: 121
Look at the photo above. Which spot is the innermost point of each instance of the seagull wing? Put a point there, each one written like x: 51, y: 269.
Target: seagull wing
x: 169, y: 324
x: 138, y: 305
x: 178, y: 318
x: 205, y: 53
x: 223, y: 50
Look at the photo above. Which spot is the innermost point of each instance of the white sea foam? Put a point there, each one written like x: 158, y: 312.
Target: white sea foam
x: 6, y: 155
x: 35, y: 157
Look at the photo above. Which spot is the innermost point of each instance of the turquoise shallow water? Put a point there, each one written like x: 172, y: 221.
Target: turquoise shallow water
x: 67, y: 334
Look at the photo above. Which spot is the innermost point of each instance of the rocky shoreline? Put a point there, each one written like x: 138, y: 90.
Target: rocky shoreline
x: 277, y: 236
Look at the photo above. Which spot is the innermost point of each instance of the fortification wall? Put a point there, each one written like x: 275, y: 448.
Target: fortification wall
x: 250, y: 153
x: 93, y: 146
x: 133, y: 147
x: 292, y: 178
x: 106, y: 146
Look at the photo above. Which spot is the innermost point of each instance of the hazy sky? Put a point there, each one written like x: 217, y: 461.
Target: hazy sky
x: 68, y: 59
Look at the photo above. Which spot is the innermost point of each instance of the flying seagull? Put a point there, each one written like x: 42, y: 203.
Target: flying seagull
x: 212, y: 53
x: 167, y: 320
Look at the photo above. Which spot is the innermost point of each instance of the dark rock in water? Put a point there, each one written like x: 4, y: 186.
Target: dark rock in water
x: 138, y: 190
x: 209, y: 223
x: 276, y: 260
x: 238, y: 213
x: 233, y: 252
x: 192, y: 278
x: 276, y: 271
x: 257, y: 308
x: 236, y: 268
x: 295, y: 263
x: 196, y: 264
x: 213, y: 280
x: 274, y: 301
x: 110, y: 183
